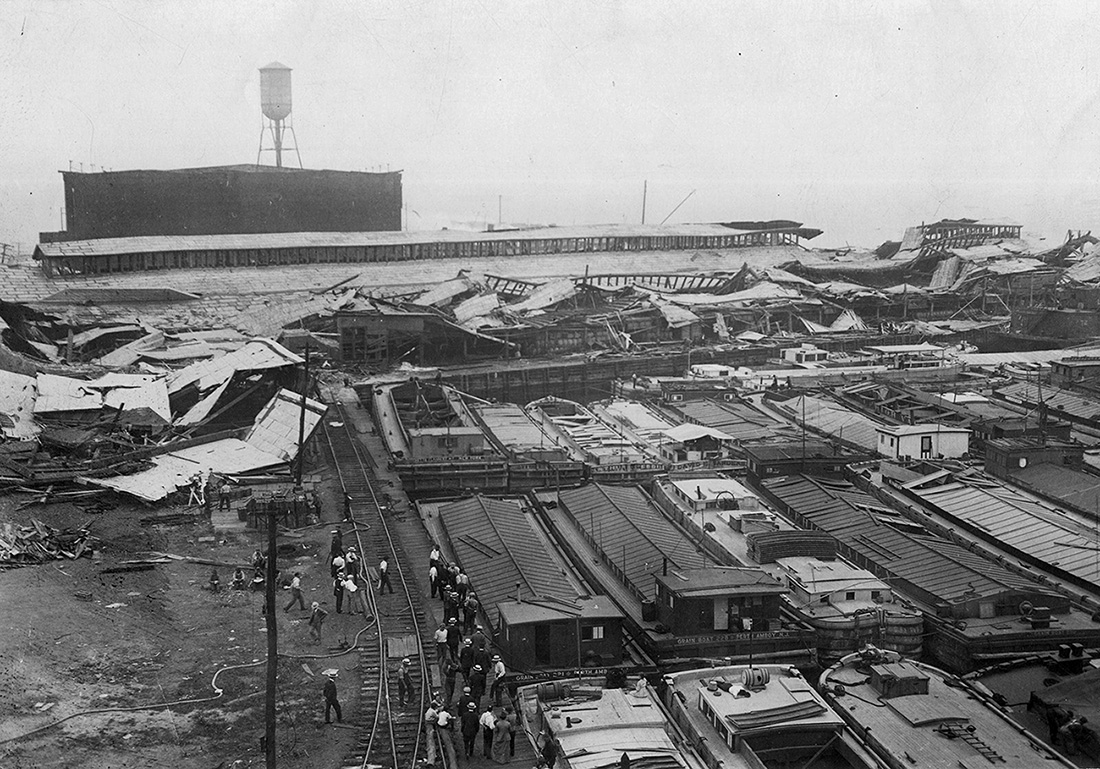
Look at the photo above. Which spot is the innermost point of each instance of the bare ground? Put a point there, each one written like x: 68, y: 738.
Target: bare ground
x: 74, y: 641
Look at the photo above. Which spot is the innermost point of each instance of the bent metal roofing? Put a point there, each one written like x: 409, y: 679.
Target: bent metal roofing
x: 931, y: 564
x: 631, y: 532
x: 495, y: 543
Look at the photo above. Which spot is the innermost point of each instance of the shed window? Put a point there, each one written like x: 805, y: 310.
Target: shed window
x: 592, y: 633
x: 850, y: 595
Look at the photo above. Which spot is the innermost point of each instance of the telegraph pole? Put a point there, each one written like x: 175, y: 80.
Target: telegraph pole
x: 272, y: 641
x: 302, y: 424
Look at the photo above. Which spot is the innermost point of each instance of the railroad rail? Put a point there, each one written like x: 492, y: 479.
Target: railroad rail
x: 390, y: 736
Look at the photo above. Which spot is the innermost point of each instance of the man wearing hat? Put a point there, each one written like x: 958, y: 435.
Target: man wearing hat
x: 466, y: 659
x: 477, y: 683
x: 488, y: 722
x: 450, y: 675
x: 469, y: 611
x: 481, y: 641
x: 442, y: 651
x: 453, y: 637
x: 495, y: 679
x: 483, y: 657
x: 465, y: 700
x: 351, y: 560
x: 331, y: 703
x: 470, y: 727
x: 431, y: 727
x: 405, y: 682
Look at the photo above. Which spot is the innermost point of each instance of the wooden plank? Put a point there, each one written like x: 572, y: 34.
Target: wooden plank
x: 404, y: 646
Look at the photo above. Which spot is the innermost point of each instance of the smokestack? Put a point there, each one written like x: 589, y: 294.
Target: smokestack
x: 518, y: 598
x: 664, y: 567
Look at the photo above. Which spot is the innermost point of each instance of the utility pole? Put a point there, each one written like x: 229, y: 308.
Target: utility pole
x: 302, y: 424
x: 645, y: 190
x: 272, y: 640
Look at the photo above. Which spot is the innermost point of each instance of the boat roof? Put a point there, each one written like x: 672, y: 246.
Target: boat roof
x: 600, y: 730
x: 912, y: 725
x: 786, y: 702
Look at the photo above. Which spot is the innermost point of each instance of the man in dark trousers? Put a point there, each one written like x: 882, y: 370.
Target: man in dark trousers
x: 481, y: 641
x: 477, y: 683
x: 331, y: 703
x: 488, y: 722
x: 483, y: 658
x: 295, y: 589
x: 469, y: 612
x: 549, y: 750
x: 450, y: 603
x: 470, y: 727
x: 466, y: 660
x: 450, y: 676
x: 454, y: 635
x: 384, y: 576
x: 338, y: 592
x: 405, y: 689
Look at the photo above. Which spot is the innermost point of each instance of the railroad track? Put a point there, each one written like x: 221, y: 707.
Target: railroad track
x: 390, y: 736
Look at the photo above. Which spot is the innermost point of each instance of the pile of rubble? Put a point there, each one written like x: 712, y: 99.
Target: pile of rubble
x: 38, y: 543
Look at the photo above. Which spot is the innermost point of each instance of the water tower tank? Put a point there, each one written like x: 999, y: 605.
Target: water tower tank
x: 275, y: 90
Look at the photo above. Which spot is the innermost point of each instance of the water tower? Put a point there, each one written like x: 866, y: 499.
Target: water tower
x: 275, y: 104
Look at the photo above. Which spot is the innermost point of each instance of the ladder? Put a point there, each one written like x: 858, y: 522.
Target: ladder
x: 958, y: 731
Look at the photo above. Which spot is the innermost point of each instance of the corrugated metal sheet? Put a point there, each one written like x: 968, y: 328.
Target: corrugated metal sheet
x: 934, y: 565
x: 444, y: 292
x: 1074, y: 487
x: 1026, y: 524
x: 62, y: 393
x: 174, y: 471
x: 495, y: 543
x: 275, y: 429
x: 475, y: 306
x: 511, y: 427
x: 740, y: 422
x: 546, y: 295
x: 17, y: 399
x: 134, y: 391
x: 676, y: 317
x: 632, y: 533
x: 255, y: 355
x: 1071, y: 403
x: 833, y: 419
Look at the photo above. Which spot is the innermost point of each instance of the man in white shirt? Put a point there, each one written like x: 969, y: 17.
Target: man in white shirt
x: 433, y: 579
x: 295, y: 588
x: 487, y: 721
x: 496, y: 679
x: 384, y: 576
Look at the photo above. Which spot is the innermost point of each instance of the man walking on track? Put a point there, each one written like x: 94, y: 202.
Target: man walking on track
x: 405, y: 683
x: 331, y: 703
x: 384, y: 576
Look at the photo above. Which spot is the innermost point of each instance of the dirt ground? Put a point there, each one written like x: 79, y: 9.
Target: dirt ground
x: 74, y: 640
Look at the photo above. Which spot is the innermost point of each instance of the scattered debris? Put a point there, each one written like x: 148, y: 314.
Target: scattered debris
x: 38, y: 543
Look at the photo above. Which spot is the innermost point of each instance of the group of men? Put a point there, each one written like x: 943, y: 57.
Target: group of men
x: 450, y: 583
x: 497, y: 726
x: 345, y: 569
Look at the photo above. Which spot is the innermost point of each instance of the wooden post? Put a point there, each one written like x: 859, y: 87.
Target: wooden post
x: 272, y: 642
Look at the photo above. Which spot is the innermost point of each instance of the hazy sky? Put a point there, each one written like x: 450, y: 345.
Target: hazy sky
x: 858, y: 118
